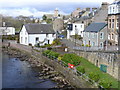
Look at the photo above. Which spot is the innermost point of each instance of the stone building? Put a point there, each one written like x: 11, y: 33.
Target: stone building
x: 76, y: 13
x: 58, y: 24
x: 113, y: 22
x: 0, y: 20
x: 102, y: 14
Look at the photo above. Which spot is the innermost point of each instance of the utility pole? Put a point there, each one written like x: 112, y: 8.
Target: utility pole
x: 119, y: 35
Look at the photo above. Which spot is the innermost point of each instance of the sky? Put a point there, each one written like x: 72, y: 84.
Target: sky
x: 38, y: 8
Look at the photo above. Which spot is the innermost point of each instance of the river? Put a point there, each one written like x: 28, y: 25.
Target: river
x: 19, y: 74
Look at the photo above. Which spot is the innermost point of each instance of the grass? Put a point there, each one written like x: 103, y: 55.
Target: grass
x: 89, y: 67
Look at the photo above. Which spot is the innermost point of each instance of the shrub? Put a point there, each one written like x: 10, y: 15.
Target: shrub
x: 71, y: 58
x: 88, y: 45
x: 60, y: 57
x: 94, y: 76
x: 51, y: 53
x: 56, y: 42
x: 81, y: 69
x: 82, y: 44
x: 105, y: 83
x: 46, y: 52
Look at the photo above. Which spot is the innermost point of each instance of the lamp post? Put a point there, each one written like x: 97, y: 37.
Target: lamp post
x: 119, y: 35
x: 75, y: 34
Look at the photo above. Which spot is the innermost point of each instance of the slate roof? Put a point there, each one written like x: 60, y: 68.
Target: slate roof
x: 95, y: 27
x: 39, y: 28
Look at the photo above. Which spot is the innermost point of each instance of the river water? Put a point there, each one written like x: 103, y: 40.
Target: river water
x: 19, y: 74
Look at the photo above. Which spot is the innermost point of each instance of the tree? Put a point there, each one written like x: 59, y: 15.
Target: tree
x: 44, y: 17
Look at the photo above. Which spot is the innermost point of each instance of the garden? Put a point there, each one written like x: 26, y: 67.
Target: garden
x: 85, y: 68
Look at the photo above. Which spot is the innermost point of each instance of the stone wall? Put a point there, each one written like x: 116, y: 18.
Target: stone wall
x: 69, y: 75
x: 112, y: 60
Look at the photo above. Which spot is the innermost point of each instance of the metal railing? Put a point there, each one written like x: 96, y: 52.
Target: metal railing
x: 84, y: 76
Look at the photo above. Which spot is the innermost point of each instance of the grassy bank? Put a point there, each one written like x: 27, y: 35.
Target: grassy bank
x: 89, y: 67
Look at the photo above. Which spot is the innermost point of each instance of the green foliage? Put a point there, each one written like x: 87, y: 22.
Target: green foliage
x: 46, y: 52
x: 44, y: 17
x: 105, y: 83
x: 49, y: 21
x: 10, y: 37
x: 56, y: 42
x: 94, y: 76
x: 88, y: 45
x: 47, y: 45
x: 81, y: 69
x: 51, y: 53
x: 71, y: 58
x: 82, y: 44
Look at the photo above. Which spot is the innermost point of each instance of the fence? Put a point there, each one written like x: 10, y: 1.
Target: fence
x: 108, y: 48
x: 78, y: 73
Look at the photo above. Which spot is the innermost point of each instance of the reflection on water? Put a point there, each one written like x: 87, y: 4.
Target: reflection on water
x: 19, y: 74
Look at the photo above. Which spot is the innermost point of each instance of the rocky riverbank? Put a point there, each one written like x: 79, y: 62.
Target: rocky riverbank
x: 45, y: 71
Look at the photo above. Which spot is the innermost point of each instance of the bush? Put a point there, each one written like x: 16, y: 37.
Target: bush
x: 94, y: 76
x: 82, y: 44
x: 51, y: 53
x: 105, y: 83
x: 81, y: 69
x: 46, y: 52
x: 71, y: 58
x: 60, y: 57
x: 88, y: 45
x: 56, y: 42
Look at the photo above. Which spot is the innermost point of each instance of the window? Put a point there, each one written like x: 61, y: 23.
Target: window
x: 112, y: 20
x: 101, y: 44
x: 113, y: 9
x: 93, y: 44
x: 112, y: 36
x: 25, y: 39
x: 112, y: 25
x: 101, y: 35
x: 81, y: 26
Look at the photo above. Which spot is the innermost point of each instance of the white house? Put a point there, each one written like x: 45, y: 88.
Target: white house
x: 75, y: 28
x: 7, y: 29
x: 37, y: 33
x: 114, y: 8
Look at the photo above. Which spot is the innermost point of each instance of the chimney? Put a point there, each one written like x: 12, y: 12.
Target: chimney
x: 104, y: 5
x: 87, y: 9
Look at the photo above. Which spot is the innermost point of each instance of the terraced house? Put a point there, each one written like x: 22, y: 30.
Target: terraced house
x: 95, y: 35
x: 113, y: 22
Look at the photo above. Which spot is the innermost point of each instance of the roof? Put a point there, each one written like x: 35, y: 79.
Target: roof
x: 39, y: 28
x: 116, y: 2
x: 95, y: 27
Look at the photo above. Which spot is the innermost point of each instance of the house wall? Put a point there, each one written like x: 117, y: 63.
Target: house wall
x: 113, y: 9
x: 104, y: 37
x: 24, y: 36
x: 58, y: 24
x: 76, y: 29
x: 92, y: 37
x: 7, y: 30
x: 42, y: 37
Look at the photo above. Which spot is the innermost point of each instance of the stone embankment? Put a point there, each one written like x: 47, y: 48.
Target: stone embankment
x: 45, y: 71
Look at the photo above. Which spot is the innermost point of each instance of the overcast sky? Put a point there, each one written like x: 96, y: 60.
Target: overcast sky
x: 39, y: 7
